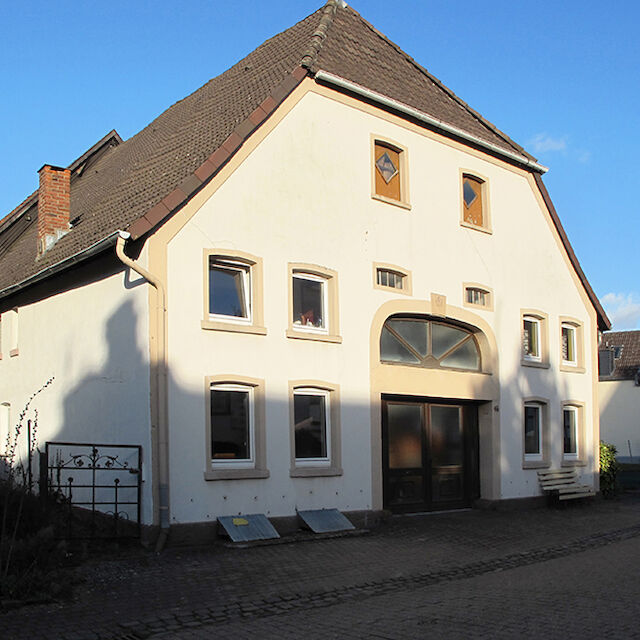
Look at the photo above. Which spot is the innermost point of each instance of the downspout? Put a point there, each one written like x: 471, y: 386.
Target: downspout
x: 162, y: 413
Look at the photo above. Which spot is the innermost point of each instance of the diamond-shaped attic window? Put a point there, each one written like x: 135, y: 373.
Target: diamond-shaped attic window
x: 386, y: 167
x: 469, y: 194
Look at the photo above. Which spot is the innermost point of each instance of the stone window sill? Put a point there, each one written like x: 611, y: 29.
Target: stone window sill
x: 236, y: 474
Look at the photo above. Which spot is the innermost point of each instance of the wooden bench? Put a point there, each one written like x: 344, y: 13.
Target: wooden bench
x: 564, y: 483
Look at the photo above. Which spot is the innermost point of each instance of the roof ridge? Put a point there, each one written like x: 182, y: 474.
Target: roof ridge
x: 319, y: 35
x: 480, y: 118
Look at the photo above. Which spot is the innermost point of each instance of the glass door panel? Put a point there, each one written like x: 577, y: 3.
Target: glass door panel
x: 405, y: 436
x: 404, y: 459
x: 447, y: 453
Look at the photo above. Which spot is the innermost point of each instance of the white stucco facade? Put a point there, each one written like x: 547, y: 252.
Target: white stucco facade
x: 92, y: 339
x: 620, y: 417
x: 303, y: 195
x: 300, y: 193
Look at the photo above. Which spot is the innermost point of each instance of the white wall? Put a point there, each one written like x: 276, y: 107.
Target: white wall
x: 620, y: 416
x: 93, y: 340
x: 304, y: 196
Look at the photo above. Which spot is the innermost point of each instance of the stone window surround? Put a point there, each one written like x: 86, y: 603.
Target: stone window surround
x: 256, y: 324
x: 407, y: 284
x: 578, y: 327
x: 543, y: 320
x: 259, y: 469
x: 403, y: 170
x: 333, y: 468
x: 477, y: 285
x: 333, y: 316
x: 486, y: 226
x: 545, y: 443
x: 580, y: 460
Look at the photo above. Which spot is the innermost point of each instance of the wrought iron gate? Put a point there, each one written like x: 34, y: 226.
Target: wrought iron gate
x: 99, y: 484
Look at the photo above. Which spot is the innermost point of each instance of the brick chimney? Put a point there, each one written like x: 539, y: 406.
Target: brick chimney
x: 53, y: 205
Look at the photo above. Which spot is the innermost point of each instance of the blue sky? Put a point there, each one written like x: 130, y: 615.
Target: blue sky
x: 561, y: 78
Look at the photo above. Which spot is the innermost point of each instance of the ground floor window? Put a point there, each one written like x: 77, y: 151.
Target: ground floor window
x: 573, y: 446
x: 311, y: 426
x: 232, y: 434
x: 315, y: 429
x: 235, y: 428
x: 532, y: 431
x: 535, y: 433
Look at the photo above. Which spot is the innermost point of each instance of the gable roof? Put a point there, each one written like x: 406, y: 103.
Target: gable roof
x: 138, y: 183
x: 627, y: 365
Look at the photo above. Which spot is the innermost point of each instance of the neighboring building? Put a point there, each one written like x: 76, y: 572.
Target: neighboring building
x: 354, y: 292
x: 619, y: 392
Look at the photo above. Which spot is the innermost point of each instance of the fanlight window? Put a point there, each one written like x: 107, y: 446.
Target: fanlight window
x: 427, y: 343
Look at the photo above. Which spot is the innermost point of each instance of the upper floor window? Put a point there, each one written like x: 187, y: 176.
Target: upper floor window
x: 229, y: 289
x: 233, y: 292
x: 531, y: 338
x: 474, y: 202
x: 389, y: 173
x: 313, y: 303
x: 535, y: 350
x: 571, y: 345
x: 477, y: 296
x: 310, y: 303
x: 390, y: 278
x: 428, y: 343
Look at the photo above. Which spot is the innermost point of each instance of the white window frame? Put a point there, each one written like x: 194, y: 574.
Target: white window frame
x: 397, y: 276
x: 234, y: 462
x: 537, y: 323
x: 534, y: 457
x: 245, y: 269
x: 575, y: 410
x: 326, y: 394
x: 482, y: 296
x: 573, y: 345
x: 324, y: 330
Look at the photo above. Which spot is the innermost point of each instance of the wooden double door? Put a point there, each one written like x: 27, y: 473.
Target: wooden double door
x: 430, y: 454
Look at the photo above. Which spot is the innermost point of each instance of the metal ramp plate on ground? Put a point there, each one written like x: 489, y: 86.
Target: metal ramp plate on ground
x: 246, y: 528
x: 325, y: 520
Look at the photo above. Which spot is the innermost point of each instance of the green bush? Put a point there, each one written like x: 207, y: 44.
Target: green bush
x: 609, y: 467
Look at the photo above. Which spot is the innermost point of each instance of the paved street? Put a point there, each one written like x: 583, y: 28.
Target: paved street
x: 551, y: 573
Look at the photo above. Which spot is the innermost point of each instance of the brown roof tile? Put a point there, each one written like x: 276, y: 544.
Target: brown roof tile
x: 626, y: 366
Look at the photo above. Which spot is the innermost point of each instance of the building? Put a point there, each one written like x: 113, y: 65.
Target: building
x: 321, y: 280
x: 619, y: 392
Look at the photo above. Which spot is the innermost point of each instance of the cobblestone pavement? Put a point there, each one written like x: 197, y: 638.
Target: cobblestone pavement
x: 570, y: 572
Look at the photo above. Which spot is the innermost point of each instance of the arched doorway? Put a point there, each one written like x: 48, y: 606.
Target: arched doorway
x: 430, y: 412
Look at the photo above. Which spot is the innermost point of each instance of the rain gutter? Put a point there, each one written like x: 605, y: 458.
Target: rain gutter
x: 374, y: 96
